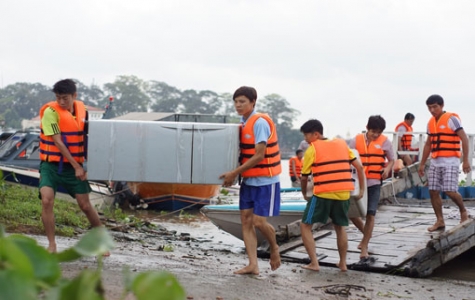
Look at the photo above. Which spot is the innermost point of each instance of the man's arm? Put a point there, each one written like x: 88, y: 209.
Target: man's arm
x: 254, y: 160
x: 466, y: 167
x: 361, y: 180
x: 425, y: 156
x: 80, y: 173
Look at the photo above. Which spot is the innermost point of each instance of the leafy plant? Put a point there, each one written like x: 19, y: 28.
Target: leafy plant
x: 28, y: 271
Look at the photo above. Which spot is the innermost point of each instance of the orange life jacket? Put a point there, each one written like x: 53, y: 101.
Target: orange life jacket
x: 444, y: 141
x: 72, y: 133
x: 270, y: 165
x: 406, y: 139
x: 372, y: 155
x: 331, y: 167
x: 298, y: 167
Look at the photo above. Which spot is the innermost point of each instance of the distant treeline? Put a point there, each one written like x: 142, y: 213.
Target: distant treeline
x: 131, y: 94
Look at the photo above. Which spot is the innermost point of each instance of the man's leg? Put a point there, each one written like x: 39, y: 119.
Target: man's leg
x: 91, y: 214
x: 89, y: 211
x: 358, y: 222
x: 268, y: 232
x: 250, y: 242
x: 309, y: 244
x: 436, y: 202
x: 458, y: 200
x: 47, y: 216
x: 342, y: 244
x: 407, y: 160
x: 367, y: 233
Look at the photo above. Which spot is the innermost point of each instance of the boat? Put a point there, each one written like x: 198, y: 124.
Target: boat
x: 227, y: 217
x: 20, y: 161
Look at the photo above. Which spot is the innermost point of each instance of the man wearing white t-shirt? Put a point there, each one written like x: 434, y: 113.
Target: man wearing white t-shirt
x: 443, y: 144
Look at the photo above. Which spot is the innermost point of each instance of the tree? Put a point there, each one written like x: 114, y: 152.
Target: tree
x: 90, y: 95
x: 283, y: 115
x: 24, y: 101
x: 130, y: 94
x: 164, y: 98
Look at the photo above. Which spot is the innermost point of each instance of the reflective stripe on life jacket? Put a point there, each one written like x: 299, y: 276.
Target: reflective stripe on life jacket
x: 444, y: 142
x: 331, y: 167
x: 72, y: 133
x: 270, y: 165
x: 406, y: 139
x: 372, y: 155
x: 298, y: 167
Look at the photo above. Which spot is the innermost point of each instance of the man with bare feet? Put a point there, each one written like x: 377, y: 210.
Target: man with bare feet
x: 259, y: 195
x: 62, y: 153
x: 329, y: 162
x: 443, y: 144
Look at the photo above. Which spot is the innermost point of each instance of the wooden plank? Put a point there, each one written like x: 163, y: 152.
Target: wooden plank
x: 453, y: 236
x: 298, y: 242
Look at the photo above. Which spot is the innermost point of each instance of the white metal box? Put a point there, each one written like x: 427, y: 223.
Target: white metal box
x: 154, y: 151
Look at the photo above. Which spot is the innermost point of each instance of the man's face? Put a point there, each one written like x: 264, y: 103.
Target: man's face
x: 373, y: 134
x: 243, y: 106
x: 310, y: 137
x: 436, y: 110
x: 410, y: 122
x: 65, y: 100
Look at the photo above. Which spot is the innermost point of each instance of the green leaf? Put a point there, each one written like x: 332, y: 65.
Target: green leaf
x: 14, y: 285
x: 86, y: 286
x: 14, y: 258
x: 96, y: 242
x: 157, y: 285
x: 45, y: 265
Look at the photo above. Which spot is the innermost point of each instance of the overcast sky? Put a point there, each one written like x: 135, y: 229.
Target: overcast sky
x: 337, y: 61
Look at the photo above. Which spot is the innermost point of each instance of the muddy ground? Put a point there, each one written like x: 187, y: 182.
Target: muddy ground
x: 204, y: 258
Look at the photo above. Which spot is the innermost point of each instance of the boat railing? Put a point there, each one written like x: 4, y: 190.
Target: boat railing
x: 420, y: 139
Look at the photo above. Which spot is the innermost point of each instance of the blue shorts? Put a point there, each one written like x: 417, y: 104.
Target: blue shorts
x: 264, y: 200
x: 374, y: 193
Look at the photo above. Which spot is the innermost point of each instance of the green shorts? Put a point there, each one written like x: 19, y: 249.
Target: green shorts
x: 318, y: 210
x: 67, y: 179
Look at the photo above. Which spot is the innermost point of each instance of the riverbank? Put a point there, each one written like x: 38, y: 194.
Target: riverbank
x: 204, y: 258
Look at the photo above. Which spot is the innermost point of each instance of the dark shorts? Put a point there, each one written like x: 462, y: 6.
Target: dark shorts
x: 374, y: 193
x: 67, y: 179
x: 264, y: 200
x: 318, y: 210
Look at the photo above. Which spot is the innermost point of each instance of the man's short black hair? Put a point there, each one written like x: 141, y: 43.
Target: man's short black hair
x: 409, y: 116
x: 246, y: 91
x: 312, y: 126
x: 376, y: 123
x: 435, y: 99
x: 298, y: 151
x: 65, y: 87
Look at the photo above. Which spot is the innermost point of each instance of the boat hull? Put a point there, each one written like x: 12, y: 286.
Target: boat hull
x: 173, y: 196
x: 228, y: 217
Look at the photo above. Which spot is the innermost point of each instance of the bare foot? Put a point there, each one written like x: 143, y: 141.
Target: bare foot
x: 342, y: 266
x: 274, y: 259
x: 463, y: 216
x: 364, y: 252
x: 312, y: 267
x: 248, y: 270
x: 107, y: 254
x: 437, y: 226
x: 52, y: 248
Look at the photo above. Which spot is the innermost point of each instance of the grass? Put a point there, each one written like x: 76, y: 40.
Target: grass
x: 20, y: 212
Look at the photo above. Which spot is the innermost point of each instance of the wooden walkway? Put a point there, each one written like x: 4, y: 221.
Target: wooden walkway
x: 400, y: 244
